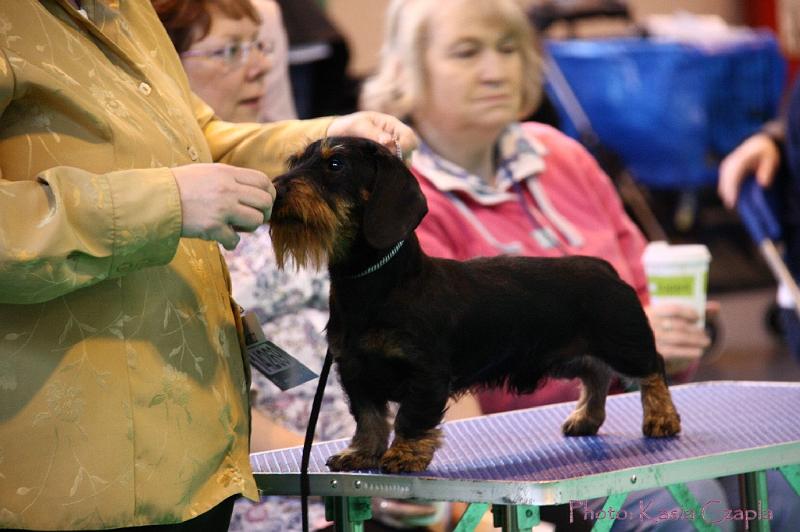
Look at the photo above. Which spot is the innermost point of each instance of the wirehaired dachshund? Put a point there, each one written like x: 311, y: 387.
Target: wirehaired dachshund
x: 417, y: 330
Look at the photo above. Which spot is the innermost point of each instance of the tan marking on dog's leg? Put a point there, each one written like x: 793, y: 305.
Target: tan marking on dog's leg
x: 368, y: 444
x: 660, y: 418
x: 408, y: 455
x: 590, y: 412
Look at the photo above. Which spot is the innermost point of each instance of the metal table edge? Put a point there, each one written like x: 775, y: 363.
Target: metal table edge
x: 536, y: 492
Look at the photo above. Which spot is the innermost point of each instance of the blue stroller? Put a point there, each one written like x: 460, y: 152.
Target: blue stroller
x: 658, y: 114
x: 757, y: 209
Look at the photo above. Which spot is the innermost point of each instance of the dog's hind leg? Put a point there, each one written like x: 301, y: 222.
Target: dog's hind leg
x: 660, y: 419
x: 590, y: 412
x: 369, y: 442
x: 624, y: 340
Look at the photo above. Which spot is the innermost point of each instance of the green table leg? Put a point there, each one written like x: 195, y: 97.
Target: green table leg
x: 755, y: 502
x: 515, y: 518
x: 792, y: 476
x: 687, y: 501
x: 348, y: 513
x: 605, y: 520
x: 470, y: 519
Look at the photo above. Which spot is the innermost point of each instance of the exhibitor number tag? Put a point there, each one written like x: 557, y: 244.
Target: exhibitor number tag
x: 278, y: 366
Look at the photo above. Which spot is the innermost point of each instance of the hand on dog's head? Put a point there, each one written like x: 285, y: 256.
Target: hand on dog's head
x: 338, y: 190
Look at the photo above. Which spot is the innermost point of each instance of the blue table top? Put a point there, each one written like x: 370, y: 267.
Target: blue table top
x: 727, y: 427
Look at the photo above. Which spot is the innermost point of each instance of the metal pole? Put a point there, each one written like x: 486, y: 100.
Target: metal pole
x: 348, y: 513
x: 515, y: 518
x: 779, y: 269
x: 754, y: 500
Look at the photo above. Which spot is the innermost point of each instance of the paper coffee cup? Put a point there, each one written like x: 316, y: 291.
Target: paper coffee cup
x: 678, y: 274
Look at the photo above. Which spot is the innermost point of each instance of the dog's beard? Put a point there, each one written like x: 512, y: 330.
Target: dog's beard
x: 307, y: 230
x: 304, y: 245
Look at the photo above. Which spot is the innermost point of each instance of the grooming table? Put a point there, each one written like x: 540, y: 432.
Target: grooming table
x: 518, y: 461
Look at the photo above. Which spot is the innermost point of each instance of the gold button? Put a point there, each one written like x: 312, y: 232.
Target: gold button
x: 193, y: 153
x: 145, y: 89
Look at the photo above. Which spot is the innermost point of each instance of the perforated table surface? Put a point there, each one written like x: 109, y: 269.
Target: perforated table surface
x: 521, y: 457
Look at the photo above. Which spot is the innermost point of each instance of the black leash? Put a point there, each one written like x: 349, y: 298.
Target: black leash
x: 310, y: 430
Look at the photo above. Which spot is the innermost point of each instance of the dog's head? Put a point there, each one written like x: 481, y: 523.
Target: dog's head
x: 338, y: 191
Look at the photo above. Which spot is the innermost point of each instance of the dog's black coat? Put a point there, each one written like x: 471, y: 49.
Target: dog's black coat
x: 419, y: 329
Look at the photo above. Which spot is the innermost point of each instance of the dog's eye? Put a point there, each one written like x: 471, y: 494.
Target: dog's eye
x: 335, y: 164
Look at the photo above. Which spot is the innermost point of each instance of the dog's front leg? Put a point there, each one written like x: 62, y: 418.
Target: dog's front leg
x: 370, y: 440
x: 416, y: 434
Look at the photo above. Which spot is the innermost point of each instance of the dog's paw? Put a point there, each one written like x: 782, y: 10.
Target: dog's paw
x: 351, y: 460
x: 403, y: 460
x: 662, y: 426
x: 579, y: 424
x: 410, y: 455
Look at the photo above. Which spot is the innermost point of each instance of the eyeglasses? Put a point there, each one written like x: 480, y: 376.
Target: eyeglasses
x: 234, y: 53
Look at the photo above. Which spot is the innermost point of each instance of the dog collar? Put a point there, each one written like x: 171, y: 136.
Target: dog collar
x: 380, y: 264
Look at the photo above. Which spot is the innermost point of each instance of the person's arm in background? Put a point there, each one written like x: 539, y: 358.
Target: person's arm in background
x: 763, y: 154
x: 758, y: 155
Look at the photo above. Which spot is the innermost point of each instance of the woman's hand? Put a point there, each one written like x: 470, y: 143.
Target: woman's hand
x: 217, y: 200
x: 758, y: 154
x: 678, y: 337
x: 381, y: 128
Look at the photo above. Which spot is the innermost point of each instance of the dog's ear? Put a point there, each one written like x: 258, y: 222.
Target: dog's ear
x: 396, y: 204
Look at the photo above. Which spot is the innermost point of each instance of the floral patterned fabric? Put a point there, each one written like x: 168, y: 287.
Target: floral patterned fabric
x: 292, y: 307
x: 123, y: 391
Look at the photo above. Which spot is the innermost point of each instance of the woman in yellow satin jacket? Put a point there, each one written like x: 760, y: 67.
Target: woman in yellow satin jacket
x: 123, y: 391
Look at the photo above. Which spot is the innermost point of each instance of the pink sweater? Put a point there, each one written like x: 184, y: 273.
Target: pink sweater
x: 577, y: 190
